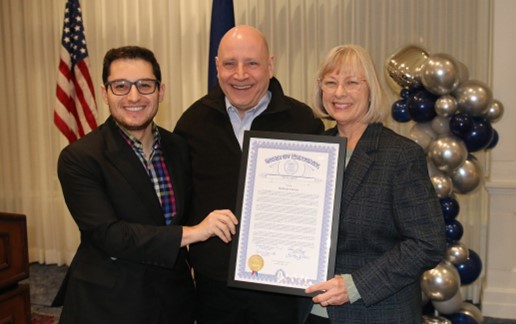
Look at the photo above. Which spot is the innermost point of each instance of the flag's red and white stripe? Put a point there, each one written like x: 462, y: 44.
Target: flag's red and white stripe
x: 75, y: 112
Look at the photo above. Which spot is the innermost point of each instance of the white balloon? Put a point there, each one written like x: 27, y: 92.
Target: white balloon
x: 441, y: 125
x: 422, y: 134
x: 449, y: 306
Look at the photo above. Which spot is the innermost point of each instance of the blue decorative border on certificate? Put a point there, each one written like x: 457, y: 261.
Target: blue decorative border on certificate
x: 332, y: 149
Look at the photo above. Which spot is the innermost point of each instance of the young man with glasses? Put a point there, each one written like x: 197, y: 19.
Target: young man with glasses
x: 127, y: 186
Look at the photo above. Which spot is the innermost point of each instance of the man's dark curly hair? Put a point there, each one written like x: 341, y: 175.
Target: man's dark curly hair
x: 130, y: 52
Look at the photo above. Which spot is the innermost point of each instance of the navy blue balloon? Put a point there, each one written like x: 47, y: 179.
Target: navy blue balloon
x: 461, y: 125
x: 454, y: 231
x: 421, y: 106
x: 494, y: 140
x: 450, y: 208
x: 479, y: 136
x: 461, y: 318
x: 404, y: 93
x: 470, y: 269
x: 400, y: 112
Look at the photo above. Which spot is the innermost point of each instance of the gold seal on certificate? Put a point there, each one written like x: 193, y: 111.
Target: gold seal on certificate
x: 255, y: 263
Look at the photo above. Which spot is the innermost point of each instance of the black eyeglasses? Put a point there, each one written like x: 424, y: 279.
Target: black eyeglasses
x: 123, y: 87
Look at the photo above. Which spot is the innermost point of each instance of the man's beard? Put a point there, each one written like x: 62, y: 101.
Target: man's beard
x: 135, y: 127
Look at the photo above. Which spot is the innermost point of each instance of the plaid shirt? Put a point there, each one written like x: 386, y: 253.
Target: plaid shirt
x: 157, y: 171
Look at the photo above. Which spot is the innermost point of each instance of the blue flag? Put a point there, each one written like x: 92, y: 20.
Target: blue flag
x: 222, y: 20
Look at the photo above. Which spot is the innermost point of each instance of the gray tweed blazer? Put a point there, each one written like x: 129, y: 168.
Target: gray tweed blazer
x: 391, y: 228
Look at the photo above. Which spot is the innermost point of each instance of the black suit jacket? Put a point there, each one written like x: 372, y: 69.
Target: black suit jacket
x: 129, y: 267
x: 216, y: 157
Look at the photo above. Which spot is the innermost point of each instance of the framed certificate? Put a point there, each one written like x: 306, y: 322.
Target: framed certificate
x: 289, y: 204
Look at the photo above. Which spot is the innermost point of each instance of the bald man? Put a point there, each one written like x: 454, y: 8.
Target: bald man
x: 247, y: 97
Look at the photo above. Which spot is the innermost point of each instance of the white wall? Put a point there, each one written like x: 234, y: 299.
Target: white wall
x: 499, y: 297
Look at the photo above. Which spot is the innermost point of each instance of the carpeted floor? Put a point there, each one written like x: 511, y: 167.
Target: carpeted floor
x: 44, y: 281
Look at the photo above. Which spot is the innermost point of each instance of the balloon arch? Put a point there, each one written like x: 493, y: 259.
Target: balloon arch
x: 453, y: 117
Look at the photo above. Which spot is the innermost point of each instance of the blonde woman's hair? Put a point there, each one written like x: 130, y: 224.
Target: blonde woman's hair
x: 354, y: 59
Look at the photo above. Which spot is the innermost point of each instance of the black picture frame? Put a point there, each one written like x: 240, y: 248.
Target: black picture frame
x: 294, y: 151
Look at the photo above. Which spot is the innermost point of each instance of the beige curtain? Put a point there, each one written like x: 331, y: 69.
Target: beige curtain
x: 300, y: 33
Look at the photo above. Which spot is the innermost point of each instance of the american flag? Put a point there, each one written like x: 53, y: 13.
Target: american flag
x: 75, y: 112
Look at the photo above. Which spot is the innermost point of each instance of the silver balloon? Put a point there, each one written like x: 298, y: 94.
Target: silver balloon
x: 404, y: 65
x: 449, y: 306
x: 443, y: 185
x: 440, y: 74
x: 441, y: 125
x: 494, y: 111
x: 467, y: 177
x: 422, y: 134
x: 442, y: 282
x: 448, y: 152
x: 431, y: 319
x: 473, y: 97
x: 472, y: 311
x: 445, y: 106
x: 456, y: 253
